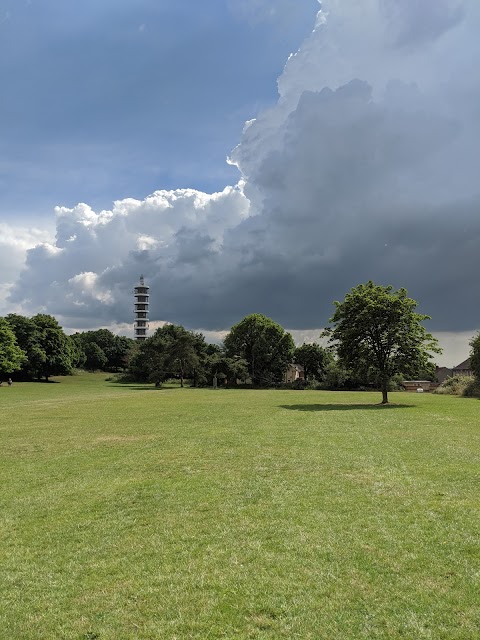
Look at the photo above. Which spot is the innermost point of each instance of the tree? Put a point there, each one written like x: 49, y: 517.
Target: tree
x: 11, y: 355
x: 264, y: 344
x: 221, y: 366
x: 77, y: 351
x: 181, y: 356
x: 475, y: 356
x: 95, y: 357
x: 377, y: 329
x: 55, y: 344
x: 115, y: 348
x: 313, y: 359
x: 172, y: 350
x: 29, y: 339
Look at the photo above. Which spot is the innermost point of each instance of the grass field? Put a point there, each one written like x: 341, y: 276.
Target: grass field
x: 134, y: 513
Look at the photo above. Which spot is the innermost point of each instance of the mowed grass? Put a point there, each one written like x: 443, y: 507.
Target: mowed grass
x: 134, y: 513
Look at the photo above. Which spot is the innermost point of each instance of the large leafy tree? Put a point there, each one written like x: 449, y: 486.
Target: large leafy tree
x: 230, y: 369
x: 313, y: 359
x: 115, y: 348
x: 29, y: 339
x: 377, y: 329
x: 264, y: 344
x: 171, y: 351
x: 56, y: 346
x: 181, y: 356
x: 95, y: 357
x: 475, y: 356
x: 11, y: 355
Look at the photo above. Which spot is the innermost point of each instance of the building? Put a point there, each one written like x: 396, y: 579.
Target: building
x: 442, y: 374
x: 463, y: 369
x: 414, y: 385
x: 294, y: 372
x: 142, y: 297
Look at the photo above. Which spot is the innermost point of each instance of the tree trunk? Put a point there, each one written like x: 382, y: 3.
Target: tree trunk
x: 384, y: 391
x: 181, y: 377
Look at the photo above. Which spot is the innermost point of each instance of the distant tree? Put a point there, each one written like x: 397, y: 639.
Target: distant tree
x: 29, y: 339
x: 171, y: 351
x: 77, y: 350
x: 95, y: 358
x: 55, y: 345
x: 181, y: 356
x: 11, y: 355
x: 475, y: 356
x: 313, y: 359
x: 229, y: 369
x: 264, y: 344
x: 377, y: 328
x: 116, y: 348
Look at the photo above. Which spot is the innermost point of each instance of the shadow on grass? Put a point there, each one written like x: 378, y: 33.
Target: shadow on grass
x: 345, y: 407
x: 136, y: 387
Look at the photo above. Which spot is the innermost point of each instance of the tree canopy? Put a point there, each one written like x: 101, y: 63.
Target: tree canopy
x: 11, y: 355
x: 475, y: 356
x: 264, y: 344
x: 377, y: 329
x: 172, y: 351
x: 313, y: 359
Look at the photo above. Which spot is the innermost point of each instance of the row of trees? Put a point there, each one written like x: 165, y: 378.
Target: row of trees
x: 38, y: 348
x: 374, y: 334
x: 173, y: 351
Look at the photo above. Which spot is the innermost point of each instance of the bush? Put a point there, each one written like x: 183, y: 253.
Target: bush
x: 456, y: 385
x: 472, y: 390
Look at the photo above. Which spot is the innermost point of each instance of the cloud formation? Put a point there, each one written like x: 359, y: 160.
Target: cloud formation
x: 365, y: 168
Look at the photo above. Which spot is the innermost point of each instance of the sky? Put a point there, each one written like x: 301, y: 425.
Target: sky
x: 244, y: 155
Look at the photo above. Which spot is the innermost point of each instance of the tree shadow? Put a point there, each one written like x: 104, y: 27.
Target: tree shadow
x: 345, y: 407
x: 137, y: 387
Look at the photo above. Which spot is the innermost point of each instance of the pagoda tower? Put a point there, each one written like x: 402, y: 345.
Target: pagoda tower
x: 141, y: 294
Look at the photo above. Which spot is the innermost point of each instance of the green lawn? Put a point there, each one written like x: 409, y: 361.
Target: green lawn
x: 134, y: 513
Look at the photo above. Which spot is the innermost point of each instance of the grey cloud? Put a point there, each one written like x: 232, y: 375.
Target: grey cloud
x: 416, y: 22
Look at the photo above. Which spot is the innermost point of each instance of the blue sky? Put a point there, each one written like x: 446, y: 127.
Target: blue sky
x: 360, y: 160
x: 107, y: 99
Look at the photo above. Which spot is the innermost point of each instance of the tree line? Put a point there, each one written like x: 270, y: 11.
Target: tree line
x: 37, y: 348
x: 374, y: 335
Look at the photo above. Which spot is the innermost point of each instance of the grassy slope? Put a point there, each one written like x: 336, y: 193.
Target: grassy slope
x: 132, y: 513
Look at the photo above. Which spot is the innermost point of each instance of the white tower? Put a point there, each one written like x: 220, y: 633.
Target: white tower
x: 141, y: 309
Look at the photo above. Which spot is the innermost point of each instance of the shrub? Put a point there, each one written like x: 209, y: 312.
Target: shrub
x: 472, y: 390
x: 455, y: 386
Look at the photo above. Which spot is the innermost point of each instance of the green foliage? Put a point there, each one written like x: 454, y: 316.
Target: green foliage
x: 313, y: 358
x: 475, y: 356
x: 456, y: 386
x: 95, y: 358
x: 377, y: 331
x: 48, y: 350
x: 115, y: 348
x: 29, y: 338
x: 11, y: 355
x: 77, y: 351
x: 264, y: 344
x: 55, y: 345
x: 229, y: 370
x: 171, y: 351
